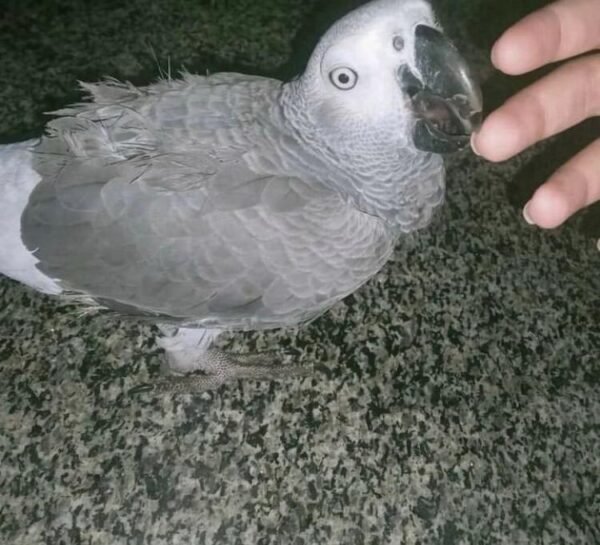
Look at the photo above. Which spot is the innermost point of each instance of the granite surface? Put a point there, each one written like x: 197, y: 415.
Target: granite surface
x: 455, y: 399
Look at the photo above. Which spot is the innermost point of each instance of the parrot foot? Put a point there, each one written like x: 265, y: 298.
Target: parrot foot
x: 198, y: 369
x: 218, y: 368
x: 215, y: 368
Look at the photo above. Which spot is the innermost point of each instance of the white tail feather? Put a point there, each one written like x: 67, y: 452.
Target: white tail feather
x: 17, y: 181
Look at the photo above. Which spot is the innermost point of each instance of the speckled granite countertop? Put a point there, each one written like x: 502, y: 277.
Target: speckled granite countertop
x: 455, y: 399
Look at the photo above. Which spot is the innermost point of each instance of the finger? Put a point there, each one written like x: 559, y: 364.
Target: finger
x: 573, y: 187
x: 562, y: 99
x: 555, y: 32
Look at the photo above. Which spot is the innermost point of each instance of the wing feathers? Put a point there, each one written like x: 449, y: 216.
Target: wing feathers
x: 148, y: 200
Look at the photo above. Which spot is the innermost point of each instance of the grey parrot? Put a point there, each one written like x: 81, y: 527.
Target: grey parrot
x: 236, y: 202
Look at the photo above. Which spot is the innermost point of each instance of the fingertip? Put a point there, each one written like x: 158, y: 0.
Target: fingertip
x: 506, y: 55
x: 548, y: 208
x: 498, y: 139
x: 523, y: 46
x: 527, y: 215
x: 474, y: 144
x: 516, y: 51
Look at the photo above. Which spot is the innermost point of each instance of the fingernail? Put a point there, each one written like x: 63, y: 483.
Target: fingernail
x: 473, y: 146
x: 527, y: 216
x: 598, y: 244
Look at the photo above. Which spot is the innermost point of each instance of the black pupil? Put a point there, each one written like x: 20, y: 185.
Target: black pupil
x: 344, y: 78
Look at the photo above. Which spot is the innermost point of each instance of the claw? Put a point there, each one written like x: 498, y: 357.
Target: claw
x: 141, y: 389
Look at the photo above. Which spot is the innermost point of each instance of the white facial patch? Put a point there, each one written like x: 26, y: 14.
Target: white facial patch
x: 374, y: 61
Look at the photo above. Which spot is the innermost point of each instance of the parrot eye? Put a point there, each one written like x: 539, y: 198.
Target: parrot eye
x: 398, y: 43
x: 343, y: 78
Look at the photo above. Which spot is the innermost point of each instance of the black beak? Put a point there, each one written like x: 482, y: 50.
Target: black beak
x: 445, y: 97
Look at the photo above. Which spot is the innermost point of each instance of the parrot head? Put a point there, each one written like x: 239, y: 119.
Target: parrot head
x: 387, y: 72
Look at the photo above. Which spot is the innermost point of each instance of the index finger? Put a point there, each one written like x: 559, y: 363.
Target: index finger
x: 563, y: 29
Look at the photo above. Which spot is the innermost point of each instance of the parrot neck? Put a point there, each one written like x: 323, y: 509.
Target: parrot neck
x: 375, y: 171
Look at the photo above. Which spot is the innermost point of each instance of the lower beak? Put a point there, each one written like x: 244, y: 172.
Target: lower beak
x: 445, y: 97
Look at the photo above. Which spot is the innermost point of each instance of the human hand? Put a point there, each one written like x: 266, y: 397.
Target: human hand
x: 565, y: 97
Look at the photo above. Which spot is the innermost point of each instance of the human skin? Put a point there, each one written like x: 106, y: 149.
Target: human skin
x: 565, y: 97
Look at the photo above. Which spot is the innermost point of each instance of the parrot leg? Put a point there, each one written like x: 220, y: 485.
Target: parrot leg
x: 195, y: 367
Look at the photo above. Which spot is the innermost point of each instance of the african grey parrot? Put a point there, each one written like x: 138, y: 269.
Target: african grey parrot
x: 228, y: 201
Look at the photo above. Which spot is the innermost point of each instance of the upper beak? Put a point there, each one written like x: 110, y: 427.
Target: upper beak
x: 444, y: 96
